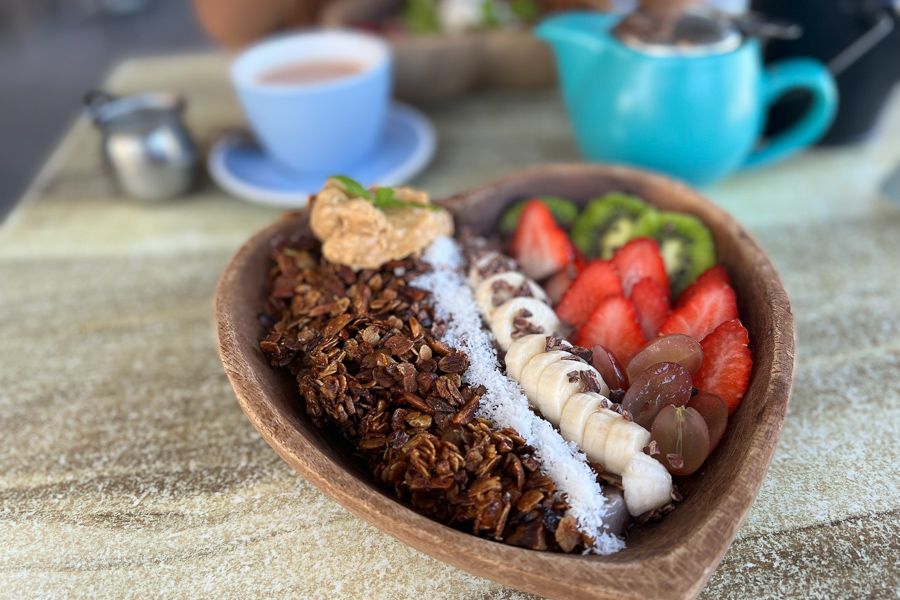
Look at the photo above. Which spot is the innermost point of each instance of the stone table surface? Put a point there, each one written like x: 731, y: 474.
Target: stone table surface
x: 128, y: 470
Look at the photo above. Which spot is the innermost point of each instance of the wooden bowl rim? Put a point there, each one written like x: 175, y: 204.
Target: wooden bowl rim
x: 676, y: 572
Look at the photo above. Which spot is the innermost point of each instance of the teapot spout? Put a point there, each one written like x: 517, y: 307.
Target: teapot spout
x: 579, y: 39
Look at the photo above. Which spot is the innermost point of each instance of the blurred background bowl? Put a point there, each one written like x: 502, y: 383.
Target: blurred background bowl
x: 435, y: 67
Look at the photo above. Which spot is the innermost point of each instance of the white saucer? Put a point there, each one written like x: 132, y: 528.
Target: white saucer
x: 241, y: 168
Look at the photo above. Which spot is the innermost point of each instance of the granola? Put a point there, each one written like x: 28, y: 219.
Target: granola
x: 363, y: 348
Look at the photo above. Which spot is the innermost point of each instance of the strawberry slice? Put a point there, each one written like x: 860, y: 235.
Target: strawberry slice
x: 638, y: 259
x: 727, y: 363
x: 710, y: 277
x: 651, y: 304
x: 598, y: 280
x: 539, y: 245
x: 614, y: 325
x: 707, y: 308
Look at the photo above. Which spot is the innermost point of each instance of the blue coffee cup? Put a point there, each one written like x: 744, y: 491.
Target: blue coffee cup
x: 316, y: 126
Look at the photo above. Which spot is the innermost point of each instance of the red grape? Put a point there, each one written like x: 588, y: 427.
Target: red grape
x: 616, y: 516
x: 676, y: 348
x: 609, y: 368
x: 682, y: 438
x: 714, y: 412
x: 660, y: 385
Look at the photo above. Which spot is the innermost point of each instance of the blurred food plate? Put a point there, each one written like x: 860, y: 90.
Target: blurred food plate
x: 433, y: 66
x: 240, y: 166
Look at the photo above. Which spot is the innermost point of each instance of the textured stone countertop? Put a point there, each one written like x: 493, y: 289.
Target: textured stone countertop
x: 128, y: 470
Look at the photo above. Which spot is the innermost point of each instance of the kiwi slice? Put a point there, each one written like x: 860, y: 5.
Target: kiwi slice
x: 685, y: 243
x: 607, y: 223
x: 564, y: 211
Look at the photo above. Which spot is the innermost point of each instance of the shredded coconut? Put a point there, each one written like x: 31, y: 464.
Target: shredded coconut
x: 504, y: 403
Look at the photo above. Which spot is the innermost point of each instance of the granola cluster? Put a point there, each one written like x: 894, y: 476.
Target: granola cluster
x: 364, y: 348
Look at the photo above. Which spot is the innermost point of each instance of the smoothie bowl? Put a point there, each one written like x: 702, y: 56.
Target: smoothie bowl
x: 571, y: 380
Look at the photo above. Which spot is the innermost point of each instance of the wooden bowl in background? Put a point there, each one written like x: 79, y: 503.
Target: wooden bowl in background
x: 671, y: 558
x: 430, y: 68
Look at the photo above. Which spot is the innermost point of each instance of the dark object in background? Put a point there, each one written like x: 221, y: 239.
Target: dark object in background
x: 830, y: 27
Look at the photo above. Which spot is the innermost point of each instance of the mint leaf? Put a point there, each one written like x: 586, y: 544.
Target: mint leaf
x: 385, y: 198
x: 353, y: 187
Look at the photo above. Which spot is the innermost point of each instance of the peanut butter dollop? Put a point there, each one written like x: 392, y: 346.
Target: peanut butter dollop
x: 355, y: 233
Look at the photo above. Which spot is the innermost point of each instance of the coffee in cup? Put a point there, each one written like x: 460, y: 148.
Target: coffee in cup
x: 310, y: 71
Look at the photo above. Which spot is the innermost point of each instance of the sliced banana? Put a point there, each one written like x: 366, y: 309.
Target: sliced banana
x: 625, y: 438
x: 559, y: 382
x: 611, y: 440
x: 574, y: 416
x: 489, y: 263
x: 493, y: 291
x: 538, y: 316
x: 596, y: 430
x: 521, y: 351
x: 531, y: 374
x: 647, y: 484
x: 524, y: 349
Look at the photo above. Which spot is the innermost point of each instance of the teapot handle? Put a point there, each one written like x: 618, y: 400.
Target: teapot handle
x: 94, y: 101
x: 797, y: 74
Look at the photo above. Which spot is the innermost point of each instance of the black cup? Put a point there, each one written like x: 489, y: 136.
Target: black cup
x: 865, y: 74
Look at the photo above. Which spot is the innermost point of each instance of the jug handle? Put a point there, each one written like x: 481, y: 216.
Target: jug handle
x: 797, y: 74
x: 94, y: 101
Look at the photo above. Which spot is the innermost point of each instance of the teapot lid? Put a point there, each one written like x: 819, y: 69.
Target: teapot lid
x: 678, y: 31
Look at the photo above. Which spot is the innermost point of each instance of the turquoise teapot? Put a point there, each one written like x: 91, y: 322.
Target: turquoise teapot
x: 695, y: 111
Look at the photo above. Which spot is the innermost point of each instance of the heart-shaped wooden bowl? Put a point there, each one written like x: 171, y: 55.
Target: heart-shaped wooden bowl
x: 671, y: 558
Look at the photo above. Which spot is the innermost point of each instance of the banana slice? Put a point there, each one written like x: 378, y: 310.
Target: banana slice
x: 647, y: 484
x: 596, y: 430
x: 611, y: 440
x: 489, y: 263
x: 625, y: 439
x: 524, y: 349
x: 531, y: 374
x: 537, y: 317
x: 574, y: 416
x: 497, y: 289
x: 521, y: 351
x: 559, y: 381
